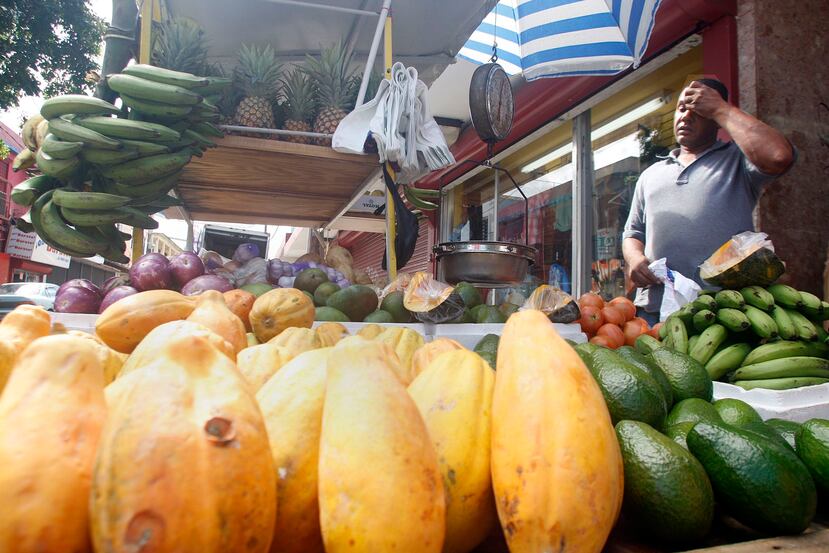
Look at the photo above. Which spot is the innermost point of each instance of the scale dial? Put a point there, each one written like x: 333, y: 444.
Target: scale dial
x: 491, y: 102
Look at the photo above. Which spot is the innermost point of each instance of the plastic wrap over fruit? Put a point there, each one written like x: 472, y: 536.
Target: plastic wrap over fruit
x: 726, y: 266
x: 430, y: 300
x: 559, y: 306
x: 254, y: 271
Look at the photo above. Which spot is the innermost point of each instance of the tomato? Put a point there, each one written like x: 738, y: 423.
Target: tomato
x: 603, y: 341
x: 591, y: 299
x: 625, y: 306
x: 591, y: 319
x: 643, y: 322
x: 655, y: 330
x: 613, y: 333
x: 614, y: 315
x: 633, y: 329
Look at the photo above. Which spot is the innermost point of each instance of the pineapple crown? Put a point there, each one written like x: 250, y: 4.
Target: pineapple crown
x: 331, y: 77
x: 181, y: 45
x: 300, y: 102
x: 257, y: 73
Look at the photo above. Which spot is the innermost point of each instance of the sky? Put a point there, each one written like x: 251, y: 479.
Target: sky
x: 175, y: 229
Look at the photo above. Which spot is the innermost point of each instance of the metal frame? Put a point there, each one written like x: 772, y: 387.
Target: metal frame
x: 582, y: 242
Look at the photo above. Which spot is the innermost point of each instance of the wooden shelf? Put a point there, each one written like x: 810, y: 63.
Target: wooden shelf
x: 263, y: 181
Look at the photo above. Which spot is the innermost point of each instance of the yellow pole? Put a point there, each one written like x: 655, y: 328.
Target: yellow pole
x: 391, y: 219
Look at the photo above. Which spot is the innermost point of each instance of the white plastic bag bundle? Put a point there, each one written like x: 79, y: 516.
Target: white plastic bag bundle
x: 678, y: 291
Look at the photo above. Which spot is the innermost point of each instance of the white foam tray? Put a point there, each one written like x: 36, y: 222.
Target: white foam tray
x: 799, y: 404
x: 76, y: 321
x: 469, y: 334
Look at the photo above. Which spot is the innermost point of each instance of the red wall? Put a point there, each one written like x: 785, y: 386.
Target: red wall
x: 367, y: 249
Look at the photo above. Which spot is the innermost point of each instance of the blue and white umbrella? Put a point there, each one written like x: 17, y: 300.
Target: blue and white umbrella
x: 563, y: 38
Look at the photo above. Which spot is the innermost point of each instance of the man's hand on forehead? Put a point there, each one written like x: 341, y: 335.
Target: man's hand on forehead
x: 703, y: 100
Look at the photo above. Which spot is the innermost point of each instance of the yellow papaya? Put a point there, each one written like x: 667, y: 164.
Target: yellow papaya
x: 111, y: 360
x: 370, y: 331
x: 291, y: 403
x: 454, y: 397
x: 184, y: 462
x: 374, y: 446
x: 25, y: 324
x: 556, y: 465
x: 404, y: 342
x: 329, y: 333
x: 426, y: 353
x: 212, y: 312
x: 51, y: 416
x: 297, y: 340
x: 259, y: 363
x: 281, y: 308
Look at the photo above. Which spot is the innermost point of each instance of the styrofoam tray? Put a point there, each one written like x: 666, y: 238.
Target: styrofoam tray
x: 353, y: 328
x: 470, y: 334
x: 76, y: 321
x: 798, y: 404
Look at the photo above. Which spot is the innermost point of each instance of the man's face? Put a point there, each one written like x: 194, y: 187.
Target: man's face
x: 692, y: 130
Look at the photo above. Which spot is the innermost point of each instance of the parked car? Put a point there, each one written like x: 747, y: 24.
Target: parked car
x: 13, y: 294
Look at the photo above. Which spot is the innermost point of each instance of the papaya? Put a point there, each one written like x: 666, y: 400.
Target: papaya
x: 404, y: 342
x: 454, y: 397
x: 297, y: 340
x: 374, y: 446
x: 240, y: 302
x: 212, y: 311
x: 371, y: 331
x: 111, y: 360
x: 330, y: 333
x: 259, y: 363
x: 553, y: 488
x: 427, y: 353
x: 52, y: 412
x: 184, y: 463
x: 291, y: 403
x: 18, y: 329
x: 126, y: 322
x: 734, y: 267
x: 281, y: 308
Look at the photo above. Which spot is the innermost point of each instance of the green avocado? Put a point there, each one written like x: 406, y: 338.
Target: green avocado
x: 330, y: 314
x: 687, y: 376
x: 257, y: 289
x: 393, y: 304
x: 323, y: 291
x: 469, y: 294
x: 490, y: 314
x: 813, y: 448
x: 487, y: 347
x: 356, y: 301
x: 379, y: 316
x: 309, y: 279
x: 692, y: 410
x: 786, y: 429
x: 648, y: 365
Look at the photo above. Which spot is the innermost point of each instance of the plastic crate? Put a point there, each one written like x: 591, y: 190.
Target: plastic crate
x: 798, y: 404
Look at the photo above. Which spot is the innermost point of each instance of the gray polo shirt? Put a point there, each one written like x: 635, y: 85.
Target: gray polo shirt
x: 686, y: 213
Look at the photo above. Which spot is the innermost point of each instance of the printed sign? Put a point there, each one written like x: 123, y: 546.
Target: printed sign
x: 368, y: 204
x: 28, y: 245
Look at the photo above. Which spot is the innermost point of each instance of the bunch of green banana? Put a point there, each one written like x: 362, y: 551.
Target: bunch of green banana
x: 421, y: 198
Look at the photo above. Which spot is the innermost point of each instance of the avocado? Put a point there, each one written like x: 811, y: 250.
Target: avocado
x: 309, y: 295
x: 786, y: 429
x: 393, y: 304
x: 379, y: 316
x: 629, y: 392
x: 490, y: 314
x: 648, y: 365
x: 473, y: 311
x: 330, y: 314
x: 736, y: 412
x: 692, y: 410
x: 585, y: 351
x: 687, y: 376
x: 679, y: 432
x: 465, y: 318
x: 667, y: 493
x: 356, y: 301
x: 257, y: 289
x: 469, y: 294
x: 508, y: 309
x: 323, y: 292
x: 762, y: 429
x: 813, y: 448
x: 487, y: 347
x: 309, y: 279
x: 761, y: 484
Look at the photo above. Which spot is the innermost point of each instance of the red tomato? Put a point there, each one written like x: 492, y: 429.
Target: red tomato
x: 614, y: 315
x: 633, y: 329
x: 625, y: 306
x: 613, y: 333
x: 655, y: 330
x: 603, y: 341
x: 591, y: 319
x: 591, y: 299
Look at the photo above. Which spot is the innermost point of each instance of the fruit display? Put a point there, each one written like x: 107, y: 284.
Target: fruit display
x: 611, y: 324
x: 103, y: 166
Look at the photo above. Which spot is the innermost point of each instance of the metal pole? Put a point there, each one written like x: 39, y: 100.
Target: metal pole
x: 582, y: 204
x: 323, y: 7
x: 372, y: 53
x: 391, y: 219
x: 495, y: 207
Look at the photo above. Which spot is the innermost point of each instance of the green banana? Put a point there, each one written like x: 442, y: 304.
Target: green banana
x: 761, y: 322
x: 97, y: 156
x: 825, y: 305
x: 647, y: 343
x: 114, y: 254
x: 208, y: 129
x: 677, y: 334
x: 143, y: 89
x: 709, y: 342
x: 75, y: 104
x: 726, y: 360
x: 23, y: 225
x: 131, y: 130
x: 757, y: 297
x: 733, y: 319
x: 94, y: 217
x: 203, y: 117
x: 663, y: 330
x: 784, y: 367
x: 705, y: 301
x: 692, y: 341
x: 785, y: 326
x: 213, y: 98
x: 69, y: 131
x: 417, y: 202
x: 199, y: 139
x: 112, y: 234
x: 24, y: 160
x: 147, y: 169
x: 782, y: 349
x: 156, y: 109
x: 165, y: 76
x: 28, y: 191
x: 703, y: 319
x: 781, y: 383
x: 785, y: 296
x: 686, y: 315
x: 812, y: 306
x: 63, y: 234
x: 74, y: 199
x: 150, y: 190
x: 145, y: 148
x: 58, y: 168
x: 58, y: 149
x: 805, y: 328
x: 731, y: 299
x: 36, y: 215
x: 138, y: 219
x: 215, y: 85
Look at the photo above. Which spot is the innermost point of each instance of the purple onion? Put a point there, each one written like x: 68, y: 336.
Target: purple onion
x: 79, y: 283
x: 276, y: 270
x: 185, y: 267
x: 343, y: 283
x: 114, y: 282
x: 151, y: 272
x: 245, y: 252
x: 206, y: 282
x: 299, y: 267
x: 116, y: 294
x: 286, y: 282
x: 77, y: 299
x: 212, y: 260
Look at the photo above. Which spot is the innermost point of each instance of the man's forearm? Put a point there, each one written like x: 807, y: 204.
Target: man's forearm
x: 763, y: 145
x: 632, y: 249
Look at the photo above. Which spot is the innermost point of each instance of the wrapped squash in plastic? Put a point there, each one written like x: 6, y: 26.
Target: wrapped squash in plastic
x: 432, y: 301
x: 747, y: 259
x: 559, y: 306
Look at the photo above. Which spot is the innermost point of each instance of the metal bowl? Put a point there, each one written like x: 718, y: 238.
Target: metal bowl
x: 495, y: 264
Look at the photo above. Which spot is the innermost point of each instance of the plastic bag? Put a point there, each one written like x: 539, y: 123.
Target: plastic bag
x: 735, y: 250
x: 252, y: 272
x: 558, y: 305
x: 432, y: 301
x: 678, y: 289
x: 399, y: 284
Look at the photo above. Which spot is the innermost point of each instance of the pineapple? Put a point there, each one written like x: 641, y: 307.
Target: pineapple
x: 334, y: 88
x: 299, y: 104
x: 257, y: 75
x: 181, y: 45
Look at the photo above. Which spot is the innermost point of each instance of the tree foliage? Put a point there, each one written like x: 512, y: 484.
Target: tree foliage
x: 46, y: 47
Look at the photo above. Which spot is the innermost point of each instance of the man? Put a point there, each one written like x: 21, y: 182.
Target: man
x: 703, y: 193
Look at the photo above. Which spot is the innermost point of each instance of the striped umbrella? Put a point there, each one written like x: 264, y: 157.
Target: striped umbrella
x: 563, y: 38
